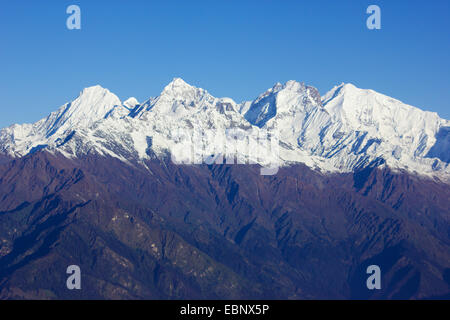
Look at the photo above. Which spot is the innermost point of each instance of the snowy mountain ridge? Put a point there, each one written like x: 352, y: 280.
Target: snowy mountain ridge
x: 346, y: 129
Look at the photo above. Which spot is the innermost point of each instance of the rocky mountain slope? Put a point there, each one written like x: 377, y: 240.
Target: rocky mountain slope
x: 218, y: 231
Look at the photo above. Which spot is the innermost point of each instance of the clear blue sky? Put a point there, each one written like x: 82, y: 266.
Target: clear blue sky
x: 231, y: 48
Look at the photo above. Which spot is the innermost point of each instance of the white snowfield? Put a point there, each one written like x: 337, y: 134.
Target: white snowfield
x: 346, y: 129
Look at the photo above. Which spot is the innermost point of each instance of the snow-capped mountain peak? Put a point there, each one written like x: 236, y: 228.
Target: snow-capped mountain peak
x: 177, y: 83
x: 178, y: 88
x: 347, y: 128
x: 131, y: 103
x: 93, y: 104
x: 373, y: 123
x: 378, y: 114
x: 178, y: 98
x: 289, y: 100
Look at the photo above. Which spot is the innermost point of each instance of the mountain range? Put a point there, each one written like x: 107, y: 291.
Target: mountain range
x: 361, y: 179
